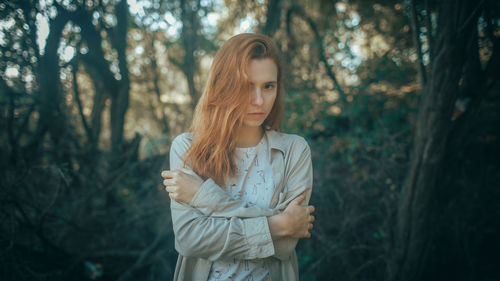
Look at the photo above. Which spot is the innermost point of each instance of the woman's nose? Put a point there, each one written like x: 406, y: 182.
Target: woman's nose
x: 257, y: 98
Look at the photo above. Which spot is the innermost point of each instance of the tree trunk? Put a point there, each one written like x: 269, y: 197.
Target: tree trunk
x: 120, y: 99
x: 51, y: 107
x: 273, y: 17
x: 415, y: 28
x: 155, y: 72
x: 106, y: 86
x: 190, y: 26
x: 98, y: 69
x: 423, y: 219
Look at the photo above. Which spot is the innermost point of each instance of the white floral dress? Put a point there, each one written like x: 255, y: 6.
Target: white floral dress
x: 252, y: 183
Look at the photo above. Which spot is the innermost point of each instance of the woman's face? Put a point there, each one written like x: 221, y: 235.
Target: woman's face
x: 263, y: 78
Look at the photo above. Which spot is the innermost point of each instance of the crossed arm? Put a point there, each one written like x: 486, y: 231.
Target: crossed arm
x: 210, y: 224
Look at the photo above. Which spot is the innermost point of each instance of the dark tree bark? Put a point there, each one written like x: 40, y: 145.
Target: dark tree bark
x: 428, y: 26
x: 12, y: 136
x: 120, y: 98
x: 430, y: 231
x: 273, y: 17
x: 51, y: 103
x: 189, y: 37
x: 76, y: 91
x: 98, y: 69
x: 155, y: 72
x: 415, y: 28
x: 106, y: 85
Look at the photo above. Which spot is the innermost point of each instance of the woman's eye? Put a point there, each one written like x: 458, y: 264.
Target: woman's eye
x: 269, y: 87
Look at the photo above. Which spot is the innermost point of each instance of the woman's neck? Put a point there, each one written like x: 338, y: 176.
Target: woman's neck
x: 249, y: 136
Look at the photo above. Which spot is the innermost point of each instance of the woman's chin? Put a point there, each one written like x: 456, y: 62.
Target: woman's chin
x: 252, y: 124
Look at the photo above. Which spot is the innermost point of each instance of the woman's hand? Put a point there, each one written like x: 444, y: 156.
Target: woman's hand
x: 295, y: 221
x: 181, y: 184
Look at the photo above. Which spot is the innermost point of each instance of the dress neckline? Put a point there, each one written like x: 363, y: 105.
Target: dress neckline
x: 251, y: 148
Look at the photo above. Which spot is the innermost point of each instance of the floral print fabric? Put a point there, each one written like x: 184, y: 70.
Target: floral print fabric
x: 252, y: 183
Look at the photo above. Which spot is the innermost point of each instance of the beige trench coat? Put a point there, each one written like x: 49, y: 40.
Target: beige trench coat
x: 215, y: 226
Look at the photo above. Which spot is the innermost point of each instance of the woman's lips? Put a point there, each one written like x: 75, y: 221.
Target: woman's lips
x: 256, y: 114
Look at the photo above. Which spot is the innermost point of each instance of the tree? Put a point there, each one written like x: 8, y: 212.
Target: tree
x: 273, y: 17
x: 107, y: 86
x: 433, y: 228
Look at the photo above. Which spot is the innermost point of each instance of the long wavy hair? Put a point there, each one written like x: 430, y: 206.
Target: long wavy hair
x: 222, y: 106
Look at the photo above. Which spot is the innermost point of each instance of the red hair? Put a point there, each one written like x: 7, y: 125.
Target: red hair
x: 220, y: 111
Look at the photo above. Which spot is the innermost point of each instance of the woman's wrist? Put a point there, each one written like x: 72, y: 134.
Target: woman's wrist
x: 277, y: 226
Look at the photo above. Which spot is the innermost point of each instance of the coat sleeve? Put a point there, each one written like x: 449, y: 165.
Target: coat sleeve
x: 299, y: 179
x: 213, y: 201
x: 214, y: 238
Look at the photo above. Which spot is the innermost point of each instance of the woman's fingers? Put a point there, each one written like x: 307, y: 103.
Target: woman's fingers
x: 171, y: 181
x: 166, y: 174
x: 177, y: 173
x: 301, y: 220
x: 181, y: 184
x: 310, y: 221
x: 172, y: 195
x: 173, y: 192
x: 307, y: 233
x: 171, y: 188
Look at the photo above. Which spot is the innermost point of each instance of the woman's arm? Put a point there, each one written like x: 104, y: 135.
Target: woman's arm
x: 294, y: 222
x: 212, y: 200
x: 197, y: 235
x: 206, y: 196
x: 299, y: 180
x: 214, y: 238
x: 185, y: 186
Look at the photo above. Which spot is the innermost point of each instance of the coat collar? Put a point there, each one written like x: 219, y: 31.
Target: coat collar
x: 275, y: 140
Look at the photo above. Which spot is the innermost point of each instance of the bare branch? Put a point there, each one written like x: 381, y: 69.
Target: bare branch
x: 76, y: 91
x: 416, y: 40
x: 319, y: 43
x: 428, y: 25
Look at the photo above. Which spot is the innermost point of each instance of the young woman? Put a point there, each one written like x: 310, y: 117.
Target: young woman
x: 239, y: 188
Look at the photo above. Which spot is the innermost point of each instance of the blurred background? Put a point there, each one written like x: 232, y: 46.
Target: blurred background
x: 399, y: 101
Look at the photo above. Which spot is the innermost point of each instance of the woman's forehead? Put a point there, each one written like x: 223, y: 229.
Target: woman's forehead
x: 262, y: 71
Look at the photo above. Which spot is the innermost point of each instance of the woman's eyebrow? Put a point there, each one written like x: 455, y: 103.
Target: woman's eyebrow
x: 267, y: 82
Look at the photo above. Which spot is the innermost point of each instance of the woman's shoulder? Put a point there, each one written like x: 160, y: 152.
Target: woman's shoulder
x: 186, y: 136
x: 290, y: 137
x: 288, y: 141
x: 182, y: 142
